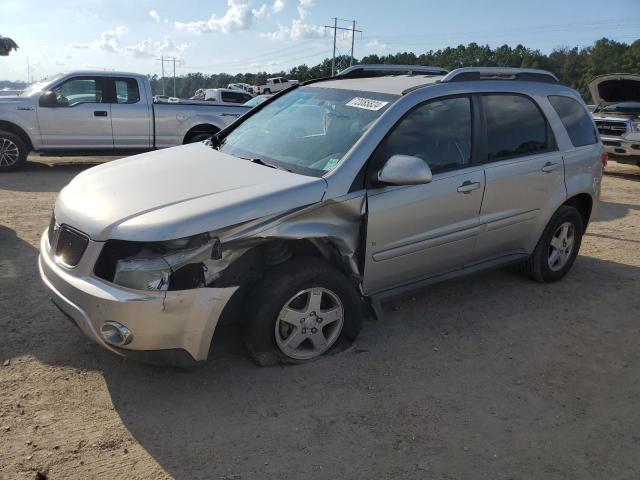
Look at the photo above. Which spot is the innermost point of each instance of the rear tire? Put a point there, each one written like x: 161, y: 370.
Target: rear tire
x: 557, y: 248
x: 304, y: 300
x: 13, y: 151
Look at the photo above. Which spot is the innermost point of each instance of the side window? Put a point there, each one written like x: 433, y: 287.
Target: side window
x: 438, y: 132
x: 126, y: 90
x: 78, y: 90
x: 576, y: 120
x: 235, y: 97
x: 515, y: 126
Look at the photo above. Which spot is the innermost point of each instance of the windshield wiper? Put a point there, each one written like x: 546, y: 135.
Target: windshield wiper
x: 260, y: 161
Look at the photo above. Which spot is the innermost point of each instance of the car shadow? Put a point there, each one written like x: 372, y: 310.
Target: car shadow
x: 461, y: 363
x: 609, y: 211
x: 49, y: 177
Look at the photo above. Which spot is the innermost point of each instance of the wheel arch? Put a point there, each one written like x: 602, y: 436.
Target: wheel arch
x: 198, y: 129
x: 583, y: 202
x: 16, y: 130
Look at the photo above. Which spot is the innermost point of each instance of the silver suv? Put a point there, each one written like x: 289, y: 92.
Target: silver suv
x: 302, y: 215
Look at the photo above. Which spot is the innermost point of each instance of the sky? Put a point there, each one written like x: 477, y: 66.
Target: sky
x: 269, y: 35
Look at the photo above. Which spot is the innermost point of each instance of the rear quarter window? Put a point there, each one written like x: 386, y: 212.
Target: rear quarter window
x: 576, y: 120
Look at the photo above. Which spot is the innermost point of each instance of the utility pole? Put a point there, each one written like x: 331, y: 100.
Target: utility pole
x: 335, y: 29
x: 162, y: 62
x: 162, y: 59
x: 353, y: 39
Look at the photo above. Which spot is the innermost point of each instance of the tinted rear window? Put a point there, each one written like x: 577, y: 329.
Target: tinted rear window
x: 515, y: 126
x: 575, y: 119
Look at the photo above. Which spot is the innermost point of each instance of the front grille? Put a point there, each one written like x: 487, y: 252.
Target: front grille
x: 610, y: 143
x: 611, y: 128
x: 70, y: 246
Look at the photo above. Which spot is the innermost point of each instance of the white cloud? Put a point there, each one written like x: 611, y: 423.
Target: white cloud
x: 149, y: 48
x: 239, y: 16
x: 153, y: 14
x: 303, y: 7
x: 301, y: 30
x: 298, y: 29
x: 260, y: 12
x: 376, y: 45
x: 109, y: 41
x: 278, y: 6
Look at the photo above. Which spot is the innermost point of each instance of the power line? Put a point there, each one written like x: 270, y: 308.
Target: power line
x: 163, y: 59
x: 335, y: 29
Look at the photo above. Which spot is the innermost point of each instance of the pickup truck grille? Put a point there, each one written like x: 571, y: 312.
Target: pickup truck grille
x: 70, y: 246
x: 611, y: 128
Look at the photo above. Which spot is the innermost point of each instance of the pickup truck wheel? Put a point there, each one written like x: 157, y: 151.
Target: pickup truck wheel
x: 267, y: 91
x: 299, y: 311
x: 557, y: 248
x: 13, y: 151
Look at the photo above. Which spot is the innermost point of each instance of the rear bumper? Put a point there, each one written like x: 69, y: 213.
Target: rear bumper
x: 169, y: 328
x: 622, y: 146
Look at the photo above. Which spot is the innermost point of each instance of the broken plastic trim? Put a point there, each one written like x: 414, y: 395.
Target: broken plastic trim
x: 172, y: 265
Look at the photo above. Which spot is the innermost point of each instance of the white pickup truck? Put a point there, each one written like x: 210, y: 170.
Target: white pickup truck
x: 222, y: 96
x: 274, y: 85
x: 101, y: 112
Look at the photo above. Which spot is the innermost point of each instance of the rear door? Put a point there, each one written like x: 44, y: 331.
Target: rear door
x: 81, y: 119
x: 524, y: 173
x: 419, y: 231
x: 131, y: 117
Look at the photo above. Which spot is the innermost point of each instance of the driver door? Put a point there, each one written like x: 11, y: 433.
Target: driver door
x: 79, y: 120
x: 419, y: 231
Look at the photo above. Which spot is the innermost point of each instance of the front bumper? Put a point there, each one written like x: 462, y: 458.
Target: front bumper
x: 172, y: 327
x: 625, y: 146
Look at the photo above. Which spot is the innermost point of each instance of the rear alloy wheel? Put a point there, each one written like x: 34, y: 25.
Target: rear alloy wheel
x: 13, y: 151
x: 557, y: 248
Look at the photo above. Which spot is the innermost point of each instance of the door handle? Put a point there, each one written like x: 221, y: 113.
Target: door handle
x: 100, y: 113
x: 468, y: 187
x: 550, y: 167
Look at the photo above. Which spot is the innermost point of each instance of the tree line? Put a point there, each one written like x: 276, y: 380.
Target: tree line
x: 574, y: 66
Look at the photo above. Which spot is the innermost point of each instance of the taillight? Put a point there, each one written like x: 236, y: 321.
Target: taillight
x: 604, y: 159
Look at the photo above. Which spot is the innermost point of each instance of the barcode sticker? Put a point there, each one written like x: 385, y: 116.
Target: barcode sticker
x: 366, y: 103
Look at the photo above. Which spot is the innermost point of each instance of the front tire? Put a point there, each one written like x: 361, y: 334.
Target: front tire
x: 13, y: 151
x: 557, y: 248
x: 299, y: 311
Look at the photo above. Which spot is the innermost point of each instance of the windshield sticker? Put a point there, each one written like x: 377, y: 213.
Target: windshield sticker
x: 366, y: 103
x: 330, y: 164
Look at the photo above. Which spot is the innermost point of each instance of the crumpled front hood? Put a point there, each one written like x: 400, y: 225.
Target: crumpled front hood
x: 178, y: 192
x: 615, y: 88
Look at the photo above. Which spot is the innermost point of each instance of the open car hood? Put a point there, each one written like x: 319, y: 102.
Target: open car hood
x: 615, y: 88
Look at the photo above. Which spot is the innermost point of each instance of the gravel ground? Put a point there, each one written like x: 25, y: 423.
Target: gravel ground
x: 487, y: 377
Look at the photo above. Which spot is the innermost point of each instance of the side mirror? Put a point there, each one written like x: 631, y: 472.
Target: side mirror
x: 48, y: 99
x: 405, y: 170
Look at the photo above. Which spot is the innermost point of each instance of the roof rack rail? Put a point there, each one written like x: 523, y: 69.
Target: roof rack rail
x: 500, y: 73
x: 380, y: 70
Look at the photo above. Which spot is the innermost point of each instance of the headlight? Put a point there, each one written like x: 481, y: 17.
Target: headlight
x: 635, y: 126
x: 170, y: 265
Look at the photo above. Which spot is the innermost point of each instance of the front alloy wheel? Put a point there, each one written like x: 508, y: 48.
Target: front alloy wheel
x: 309, y: 323
x: 9, y: 153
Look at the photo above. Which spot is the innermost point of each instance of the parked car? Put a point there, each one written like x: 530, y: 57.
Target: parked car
x: 257, y: 100
x: 274, y: 85
x: 318, y: 204
x: 105, y: 112
x: 9, y: 92
x: 244, y: 87
x: 617, y: 114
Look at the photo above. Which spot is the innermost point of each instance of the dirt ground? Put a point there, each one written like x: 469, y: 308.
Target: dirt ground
x: 488, y: 377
